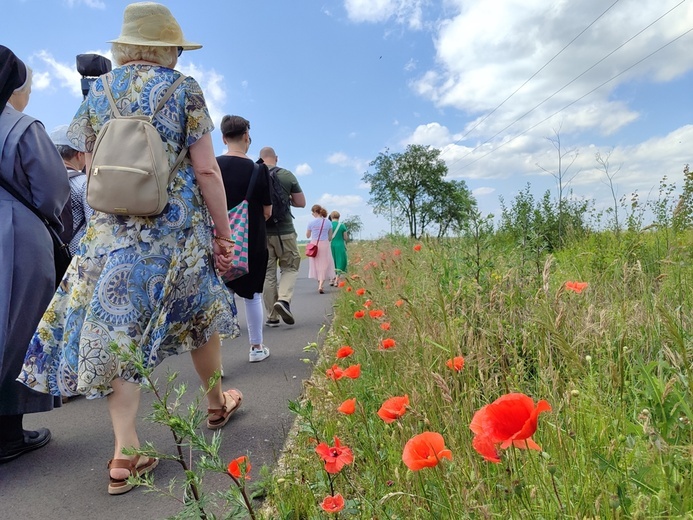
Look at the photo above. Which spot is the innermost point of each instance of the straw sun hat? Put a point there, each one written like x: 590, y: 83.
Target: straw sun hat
x: 149, y: 23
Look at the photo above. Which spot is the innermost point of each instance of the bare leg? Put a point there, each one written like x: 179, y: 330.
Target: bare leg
x: 123, y: 404
x: 207, y: 361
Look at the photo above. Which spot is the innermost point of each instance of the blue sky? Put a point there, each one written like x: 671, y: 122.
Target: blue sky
x: 330, y: 84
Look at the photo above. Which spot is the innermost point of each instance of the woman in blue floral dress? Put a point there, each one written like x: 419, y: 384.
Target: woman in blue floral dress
x: 149, y: 281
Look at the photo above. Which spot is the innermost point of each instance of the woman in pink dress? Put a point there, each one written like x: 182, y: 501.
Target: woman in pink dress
x: 321, y: 266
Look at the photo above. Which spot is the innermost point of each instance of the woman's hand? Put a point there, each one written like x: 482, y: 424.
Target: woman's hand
x: 223, y: 256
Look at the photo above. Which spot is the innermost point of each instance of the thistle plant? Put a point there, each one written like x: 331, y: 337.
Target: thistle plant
x: 195, y: 453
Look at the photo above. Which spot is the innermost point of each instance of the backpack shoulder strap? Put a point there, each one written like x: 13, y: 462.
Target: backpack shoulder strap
x: 169, y: 92
x: 109, y: 96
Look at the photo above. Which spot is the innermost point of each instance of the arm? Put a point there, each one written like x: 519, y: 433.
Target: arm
x: 297, y: 200
x: 267, y: 211
x: 308, y: 233
x: 208, y: 176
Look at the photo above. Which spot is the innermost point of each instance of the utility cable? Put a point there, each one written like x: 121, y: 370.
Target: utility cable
x: 536, y: 73
x: 569, y: 83
x: 578, y: 99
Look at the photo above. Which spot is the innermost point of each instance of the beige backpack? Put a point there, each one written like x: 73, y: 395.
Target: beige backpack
x: 129, y: 173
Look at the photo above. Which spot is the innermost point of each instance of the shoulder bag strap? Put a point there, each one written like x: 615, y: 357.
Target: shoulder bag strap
x: 320, y: 232
x: 26, y: 203
x: 253, y: 180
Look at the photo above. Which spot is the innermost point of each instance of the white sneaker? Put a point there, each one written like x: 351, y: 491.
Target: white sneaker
x: 258, y: 354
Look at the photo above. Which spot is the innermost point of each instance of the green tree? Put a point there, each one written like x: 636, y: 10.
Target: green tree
x: 404, y: 186
x: 450, y: 207
x: 353, y: 224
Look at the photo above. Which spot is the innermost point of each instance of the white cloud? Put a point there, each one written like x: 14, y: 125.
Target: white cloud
x: 489, y: 48
x: 303, y: 169
x: 212, y: 84
x: 94, y: 4
x: 483, y: 191
x: 642, y: 165
x: 342, y: 203
x: 58, y: 75
x: 343, y: 160
x: 338, y: 158
x: 408, y: 12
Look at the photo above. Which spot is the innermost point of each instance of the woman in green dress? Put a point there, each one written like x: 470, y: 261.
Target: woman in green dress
x: 338, y: 244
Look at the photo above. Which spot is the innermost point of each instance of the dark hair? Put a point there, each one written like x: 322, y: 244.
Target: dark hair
x: 66, y: 152
x: 234, y: 126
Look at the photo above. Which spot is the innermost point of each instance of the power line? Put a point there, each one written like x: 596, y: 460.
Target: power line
x: 535, y: 74
x: 578, y: 99
x: 571, y: 82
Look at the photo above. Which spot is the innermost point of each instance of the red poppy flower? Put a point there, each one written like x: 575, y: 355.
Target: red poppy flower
x: 456, y: 363
x: 376, y: 313
x: 347, y: 407
x: 361, y: 291
x: 417, y: 247
x: 335, y: 457
x: 425, y: 451
x: 576, y: 287
x: 367, y: 303
x: 393, y: 408
x: 239, y: 466
x: 333, y: 504
x: 510, y: 419
x: 399, y: 303
x: 385, y: 325
x: 387, y: 343
x: 359, y: 314
x: 335, y: 373
x: 373, y: 264
x: 352, y: 372
x: 349, y: 289
x: 344, y: 351
x: 342, y: 283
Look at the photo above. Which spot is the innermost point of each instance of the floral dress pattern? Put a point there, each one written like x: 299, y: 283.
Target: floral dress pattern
x: 148, y: 281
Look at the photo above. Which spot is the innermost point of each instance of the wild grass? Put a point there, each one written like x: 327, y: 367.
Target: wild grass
x: 614, y: 362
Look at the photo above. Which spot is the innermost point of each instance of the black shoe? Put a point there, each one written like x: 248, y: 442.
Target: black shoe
x: 272, y: 323
x: 284, y: 311
x: 32, y: 440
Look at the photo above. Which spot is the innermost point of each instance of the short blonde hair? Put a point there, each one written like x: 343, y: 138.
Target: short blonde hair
x: 164, y: 56
x: 334, y: 215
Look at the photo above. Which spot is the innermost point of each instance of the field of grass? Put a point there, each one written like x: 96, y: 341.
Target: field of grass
x: 610, y: 362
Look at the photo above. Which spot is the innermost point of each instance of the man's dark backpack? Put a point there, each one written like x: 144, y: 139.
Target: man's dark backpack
x: 279, y: 197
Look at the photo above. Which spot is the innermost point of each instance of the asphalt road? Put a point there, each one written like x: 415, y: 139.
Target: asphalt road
x: 68, y: 478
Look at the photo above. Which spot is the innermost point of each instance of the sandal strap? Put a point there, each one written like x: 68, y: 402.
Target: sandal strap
x: 122, y: 464
x: 224, y: 408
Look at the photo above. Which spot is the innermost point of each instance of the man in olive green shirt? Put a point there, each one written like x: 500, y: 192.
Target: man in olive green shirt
x: 282, y: 246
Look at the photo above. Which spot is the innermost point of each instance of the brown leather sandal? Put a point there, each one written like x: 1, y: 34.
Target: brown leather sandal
x: 118, y: 486
x: 224, y: 413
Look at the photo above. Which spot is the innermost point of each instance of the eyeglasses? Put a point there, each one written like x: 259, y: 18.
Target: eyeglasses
x: 180, y: 51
